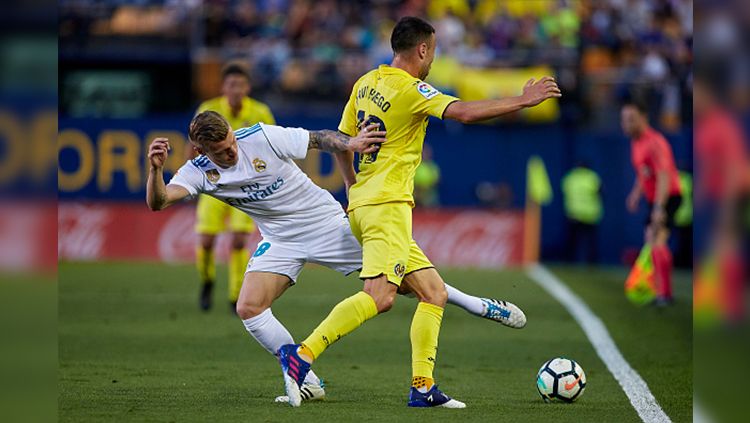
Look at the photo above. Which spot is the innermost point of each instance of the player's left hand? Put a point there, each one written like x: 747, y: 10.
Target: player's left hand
x: 368, y: 140
x: 535, y: 92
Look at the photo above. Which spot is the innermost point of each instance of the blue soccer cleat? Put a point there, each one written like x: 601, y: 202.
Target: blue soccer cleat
x: 294, y: 369
x: 432, y: 398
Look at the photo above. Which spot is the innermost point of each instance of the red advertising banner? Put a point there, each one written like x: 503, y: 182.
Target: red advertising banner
x: 27, y: 235
x: 128, y: 231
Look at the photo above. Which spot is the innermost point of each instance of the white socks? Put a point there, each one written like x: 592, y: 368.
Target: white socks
x: 470, y: 303
x: 271, y: 334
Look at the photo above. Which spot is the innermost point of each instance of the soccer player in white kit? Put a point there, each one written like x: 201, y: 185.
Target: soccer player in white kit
x: 253, y: 170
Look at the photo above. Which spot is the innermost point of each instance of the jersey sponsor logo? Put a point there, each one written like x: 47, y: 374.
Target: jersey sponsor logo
x: 255, y: 193
x: 213, y: 175
x: 374, y: 95
x: 259, y: 165
x: 426, y: 90
x: 399, y: 270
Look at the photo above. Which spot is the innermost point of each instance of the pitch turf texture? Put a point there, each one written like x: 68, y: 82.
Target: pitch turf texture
x: 133, y: 346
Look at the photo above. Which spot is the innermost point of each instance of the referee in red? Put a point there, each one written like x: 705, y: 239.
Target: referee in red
x: 657, y: 180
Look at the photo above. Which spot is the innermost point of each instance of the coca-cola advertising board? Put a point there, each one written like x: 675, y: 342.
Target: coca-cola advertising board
x: 128, y: 231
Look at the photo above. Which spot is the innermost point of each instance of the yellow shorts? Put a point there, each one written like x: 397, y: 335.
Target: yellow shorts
x: 211, y: 216
x: 384, y: 230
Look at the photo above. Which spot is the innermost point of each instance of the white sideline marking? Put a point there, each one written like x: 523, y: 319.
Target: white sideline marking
x: 699, y: 413
x: 631, y: 382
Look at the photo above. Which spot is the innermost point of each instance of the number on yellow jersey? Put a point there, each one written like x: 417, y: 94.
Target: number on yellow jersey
x: 369, y: 158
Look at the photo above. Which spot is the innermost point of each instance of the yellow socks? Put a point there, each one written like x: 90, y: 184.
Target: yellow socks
x: 237, y: 264
x: 425, y: 328
x: 306, y: 352
x: 344, y: 318
x: 204, y: 262
x: 422, y: 384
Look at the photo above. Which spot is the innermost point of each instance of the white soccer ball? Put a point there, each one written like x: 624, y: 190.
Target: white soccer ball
x: 560, y: 379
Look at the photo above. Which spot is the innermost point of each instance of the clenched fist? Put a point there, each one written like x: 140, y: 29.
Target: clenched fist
x: 158, y: 152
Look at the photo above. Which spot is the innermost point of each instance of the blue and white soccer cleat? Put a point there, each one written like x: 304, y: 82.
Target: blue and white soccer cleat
x: 432, y: 398
x: 504, y: 312
x: 294, y: 369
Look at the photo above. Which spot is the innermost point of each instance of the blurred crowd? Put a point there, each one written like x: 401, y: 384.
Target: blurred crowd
x: 319, y: 48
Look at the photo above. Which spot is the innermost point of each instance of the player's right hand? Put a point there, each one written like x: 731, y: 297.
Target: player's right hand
x: 535, y: 92
x: 158, y: 152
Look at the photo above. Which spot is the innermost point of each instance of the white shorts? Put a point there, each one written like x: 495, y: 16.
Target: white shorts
x: 332, y: 246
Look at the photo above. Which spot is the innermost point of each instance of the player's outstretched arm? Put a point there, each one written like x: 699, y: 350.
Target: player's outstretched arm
x: 534, y: 92
x: 367, y: 141
x: 158, y: 195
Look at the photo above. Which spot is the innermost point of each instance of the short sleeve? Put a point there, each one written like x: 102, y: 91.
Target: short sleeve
x: 288, y: 143
x: 348, y: 124
x: 189, y: 177
x: 427, y: 100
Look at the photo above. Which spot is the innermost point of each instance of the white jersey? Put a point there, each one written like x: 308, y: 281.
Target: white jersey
x: 265, y: 183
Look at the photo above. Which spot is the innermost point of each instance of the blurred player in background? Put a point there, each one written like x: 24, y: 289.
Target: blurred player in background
x: 381, y: 201
x: 658, y: 181
x: 211, y: 215
x: 426, y: 181
x: 723, y: 184
x: 582, y: 189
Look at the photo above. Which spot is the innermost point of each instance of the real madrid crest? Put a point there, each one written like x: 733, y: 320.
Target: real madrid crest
x: 213, y: 175
x: 259, y: 165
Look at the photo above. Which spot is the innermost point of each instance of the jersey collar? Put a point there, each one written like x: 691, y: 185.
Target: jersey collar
x: 387, y: 69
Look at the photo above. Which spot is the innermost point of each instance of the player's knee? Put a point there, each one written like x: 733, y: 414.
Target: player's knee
x: 385, y: 303
x: 206, y: 242
x: 238, y: 243
x: 247, y: 310
x: 383, y: 300
x: 239, y: 240
x: 436, y: 295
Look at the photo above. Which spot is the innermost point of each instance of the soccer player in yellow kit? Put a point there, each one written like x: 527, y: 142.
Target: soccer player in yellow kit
x: 240, y: 111
x: 380, y: 203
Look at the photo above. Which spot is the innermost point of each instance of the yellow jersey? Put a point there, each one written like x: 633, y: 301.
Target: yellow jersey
x: 252, y: 112
x: 402, y: 105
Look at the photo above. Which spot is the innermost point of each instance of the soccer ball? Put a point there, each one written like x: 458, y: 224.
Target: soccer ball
x: 562, y: 379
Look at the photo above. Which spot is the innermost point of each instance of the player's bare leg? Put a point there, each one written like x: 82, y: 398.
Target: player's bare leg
x: 204, y: 262
x: 429, y: 289
x: 259, y: 291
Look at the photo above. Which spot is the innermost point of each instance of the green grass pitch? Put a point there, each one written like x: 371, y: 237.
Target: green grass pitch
x: 133, y: 346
